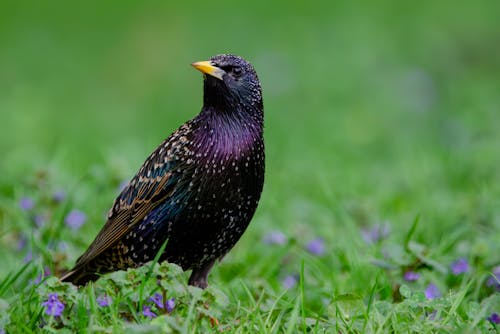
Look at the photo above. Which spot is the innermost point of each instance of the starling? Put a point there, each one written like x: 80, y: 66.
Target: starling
x: 198, y: 190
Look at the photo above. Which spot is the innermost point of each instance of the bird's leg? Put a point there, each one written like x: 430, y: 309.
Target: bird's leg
x: 199, y: 276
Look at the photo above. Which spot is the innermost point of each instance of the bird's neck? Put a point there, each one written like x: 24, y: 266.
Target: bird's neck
x: 228, y: 134
x: 246, y: 102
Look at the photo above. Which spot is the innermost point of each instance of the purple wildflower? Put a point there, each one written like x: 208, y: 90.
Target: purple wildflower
x: 26, y: 204
x: 146, y: 311
x: 53, y: 306
x: 275, y: 238
x: 376, y: 233
x: 432, y: 291
x: 459, y: 266
x: 28, y: 257
x: 170, y: 304
x: 58, y: 196
x: 316, y: 247
x: 39, y: 220
x: 21, y: 242
x: 75, y: 219
x: 494, y: 318
x: 62, y: 246
x: 411, y: 276
x: 103, y: 300
x: 157, y: 298
x: 495, y: 280
x: 289, y: 281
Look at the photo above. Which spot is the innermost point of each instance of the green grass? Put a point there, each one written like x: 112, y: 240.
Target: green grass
x: 383, y: 113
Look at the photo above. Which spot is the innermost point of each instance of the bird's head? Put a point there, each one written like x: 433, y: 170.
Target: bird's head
x: 229, y: 83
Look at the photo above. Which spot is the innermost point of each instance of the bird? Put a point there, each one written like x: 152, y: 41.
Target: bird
x: 199, y: 189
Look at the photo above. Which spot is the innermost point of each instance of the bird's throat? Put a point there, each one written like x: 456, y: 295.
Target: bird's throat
x: 227, y: 134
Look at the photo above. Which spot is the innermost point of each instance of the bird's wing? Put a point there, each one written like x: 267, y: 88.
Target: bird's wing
x: 150, y: 187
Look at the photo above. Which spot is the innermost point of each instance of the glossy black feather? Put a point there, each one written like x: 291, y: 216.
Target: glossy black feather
x: 199, y: 189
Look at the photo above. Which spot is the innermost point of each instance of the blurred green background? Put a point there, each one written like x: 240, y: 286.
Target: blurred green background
x: 378, y: 110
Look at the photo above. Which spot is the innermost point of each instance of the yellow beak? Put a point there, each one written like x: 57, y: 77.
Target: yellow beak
x: 207, y: 68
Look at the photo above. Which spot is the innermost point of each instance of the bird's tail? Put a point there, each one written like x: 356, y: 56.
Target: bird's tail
x: 79, y: 276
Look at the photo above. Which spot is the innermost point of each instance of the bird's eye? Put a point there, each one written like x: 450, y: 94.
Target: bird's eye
x: 236, y: 71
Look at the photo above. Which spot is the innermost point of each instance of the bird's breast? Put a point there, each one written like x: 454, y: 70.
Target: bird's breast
x: 227, y: 171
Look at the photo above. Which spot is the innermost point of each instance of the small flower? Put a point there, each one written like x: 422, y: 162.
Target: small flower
x: 28, y: 257
x: 21, y: 242
x: 275, y: 238
x: 53, y: 306
x: 75, y: 219
x: 146, y: 311
x: 62, y: 246
x: 432, y: 291
x: 103, y: 300
x: 289, y: 281
x: 170, y: 304
x: 376, y: 233
x: 316, y: 247
x: 58, y: 196
x: 494, y: 318
x: 411, y: 276
x: 459, y: 266
x: 495, y: 280
x: 39, y: 220
x: 26, y: 204
x: 157, y: 298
